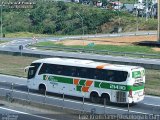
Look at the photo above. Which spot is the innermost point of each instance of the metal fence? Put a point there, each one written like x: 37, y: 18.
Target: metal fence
x: 12, y: 94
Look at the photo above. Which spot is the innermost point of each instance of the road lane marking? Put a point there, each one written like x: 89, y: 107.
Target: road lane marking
x: 13, y: 83
x: 20, y: 112
x: 151, y: 105
x: 152, y: 96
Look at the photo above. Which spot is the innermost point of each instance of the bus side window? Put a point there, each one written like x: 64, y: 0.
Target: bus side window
x: 95, y: 74
x: 82, y: 72
x: 98, y: 74
x: 59, y: 69
x: 90, y: 72
x: 43, y: 69
x: 122, y: 76
x: 67, y: 70
x: 73, y: 72
x: 46, y: 69
x: 110, y: 75
x: 119, y: 76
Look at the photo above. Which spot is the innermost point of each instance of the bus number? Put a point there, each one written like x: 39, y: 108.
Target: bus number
x: 117, y: 87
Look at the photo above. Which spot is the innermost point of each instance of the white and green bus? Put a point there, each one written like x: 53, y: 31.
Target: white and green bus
x: 88, y: 79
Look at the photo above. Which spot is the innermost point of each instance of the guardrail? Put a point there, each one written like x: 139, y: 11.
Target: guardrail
x: 12, y: 94
x: 106, y: 52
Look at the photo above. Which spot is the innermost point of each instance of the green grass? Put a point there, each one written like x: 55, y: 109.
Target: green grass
x: 111, y: 48
x: 116, y: 48
x: 127, y: 1
x: 152, y: 82
x: 1, y: 41
x: 14, y: 65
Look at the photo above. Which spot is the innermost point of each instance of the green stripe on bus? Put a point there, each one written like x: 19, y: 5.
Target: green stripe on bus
x: 58, y: 79
x: 82, y: 82
x: 117, y: 86
x: 78, y: 88
x: 104, y: 85
x: 134, y: 88
x: 97, y: 84
x: 64, y: 80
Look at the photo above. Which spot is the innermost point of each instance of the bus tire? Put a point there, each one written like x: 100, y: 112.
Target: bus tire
x: 42, y: 88
x: 94, y: 97
x: 105, y: 97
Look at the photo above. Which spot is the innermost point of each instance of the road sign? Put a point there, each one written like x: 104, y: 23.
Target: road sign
x: 91, y: 44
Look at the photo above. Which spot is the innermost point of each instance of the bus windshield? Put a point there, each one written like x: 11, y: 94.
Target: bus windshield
x: 32, y: 70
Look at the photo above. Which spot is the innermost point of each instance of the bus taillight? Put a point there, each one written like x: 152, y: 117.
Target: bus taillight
x: 130, y: 93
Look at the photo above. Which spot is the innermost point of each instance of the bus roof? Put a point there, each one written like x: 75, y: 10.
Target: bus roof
x: 86, y: 63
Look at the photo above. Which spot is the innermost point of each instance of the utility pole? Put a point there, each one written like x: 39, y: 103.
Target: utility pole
x: 146, y: 10
x: 82, y: 22
x: 1, y: 20
x: 82, y: 27
x: 158, y: 13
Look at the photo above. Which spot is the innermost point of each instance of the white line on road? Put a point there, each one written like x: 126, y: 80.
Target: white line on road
x: 152, y: 96
x: 26, y: 113
x: 13, y: 83
x: 151, y: 105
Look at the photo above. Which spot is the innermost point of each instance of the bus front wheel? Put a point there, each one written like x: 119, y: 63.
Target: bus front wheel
x: 94, y: 97
x: 42, y: 88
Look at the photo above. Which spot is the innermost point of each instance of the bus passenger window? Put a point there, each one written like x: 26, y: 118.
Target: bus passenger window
x: 120, y: 76
x: 82, y: 72
x: 43, y: 69
x: 110, y: 75
x: 73, y: 71
x: 59, y: 70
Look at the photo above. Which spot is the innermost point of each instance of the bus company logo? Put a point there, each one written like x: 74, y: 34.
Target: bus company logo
x: 137, y: 74
x: 49, y: 78
x: 45, y: 77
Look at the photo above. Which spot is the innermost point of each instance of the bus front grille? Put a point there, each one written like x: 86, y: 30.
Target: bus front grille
x: 121, y: 96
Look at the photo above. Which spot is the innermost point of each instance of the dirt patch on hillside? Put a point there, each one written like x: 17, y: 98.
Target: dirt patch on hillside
x: 156, y: 49
x: 126, y: 40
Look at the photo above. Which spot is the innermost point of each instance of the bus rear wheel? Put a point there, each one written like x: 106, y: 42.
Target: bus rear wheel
x: 94, y: 97
x: 42, y: 88
x: 105, y: 99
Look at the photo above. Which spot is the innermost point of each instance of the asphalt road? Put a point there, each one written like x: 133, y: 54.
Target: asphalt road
x: 21, y: 113
x: 12, y: 114
x: 149, y: 106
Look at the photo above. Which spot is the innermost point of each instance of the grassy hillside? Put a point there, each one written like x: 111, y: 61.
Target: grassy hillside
x: 66, y: 18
